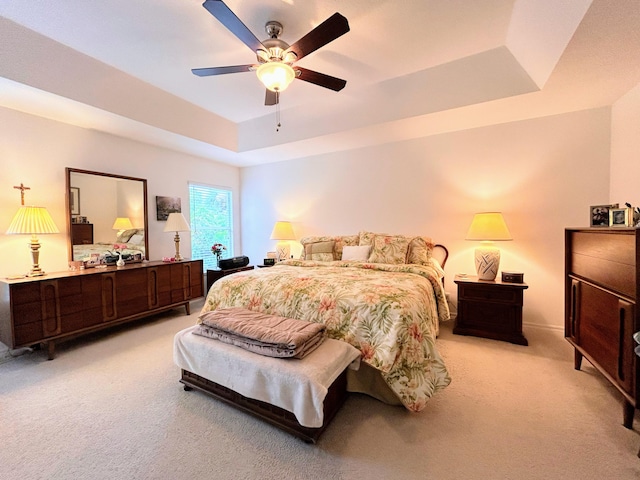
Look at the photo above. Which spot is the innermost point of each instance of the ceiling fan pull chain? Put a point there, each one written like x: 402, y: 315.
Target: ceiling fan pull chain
x: 278, y: 111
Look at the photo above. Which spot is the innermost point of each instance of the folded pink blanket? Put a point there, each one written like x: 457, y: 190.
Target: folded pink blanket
x: 262, y: 333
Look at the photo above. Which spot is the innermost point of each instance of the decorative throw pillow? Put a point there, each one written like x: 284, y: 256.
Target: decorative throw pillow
x: 389, y: 249
x: 343, y: 241
x: 420, y: 250
x: 366, y: 238
x: 356, y: 253
x: 319, y: 251
x: 126, y: 235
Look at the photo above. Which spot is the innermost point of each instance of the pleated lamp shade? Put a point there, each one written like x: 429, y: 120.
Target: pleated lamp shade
x: 32, y: 221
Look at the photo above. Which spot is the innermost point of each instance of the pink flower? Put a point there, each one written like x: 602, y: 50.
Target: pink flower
x: 218, y: 248
x: 119, y: 246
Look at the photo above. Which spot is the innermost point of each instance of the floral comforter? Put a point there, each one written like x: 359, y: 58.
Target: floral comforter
x: 391, y: 313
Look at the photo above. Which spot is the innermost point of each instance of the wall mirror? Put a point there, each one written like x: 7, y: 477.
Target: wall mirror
x: 105, y: 209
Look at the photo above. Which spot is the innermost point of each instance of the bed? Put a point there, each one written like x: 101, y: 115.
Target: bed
x: 381, y: 293
x: 132, y: 240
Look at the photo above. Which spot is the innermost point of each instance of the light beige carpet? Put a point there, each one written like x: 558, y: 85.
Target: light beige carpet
x: 110, y: 407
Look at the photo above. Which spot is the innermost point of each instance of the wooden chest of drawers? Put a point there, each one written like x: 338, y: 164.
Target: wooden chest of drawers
x: 601, y: 316
x: 56, y: 306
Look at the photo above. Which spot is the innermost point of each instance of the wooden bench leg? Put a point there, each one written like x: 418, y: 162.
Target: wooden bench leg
x: 187, y: 307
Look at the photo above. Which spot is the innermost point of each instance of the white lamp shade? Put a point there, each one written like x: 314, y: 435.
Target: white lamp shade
x: 32, y: 220
x: 122, y: 223
x: 282, y: 231
x: 276, y: 76
x: 176, y: 223
x: 488, y: 226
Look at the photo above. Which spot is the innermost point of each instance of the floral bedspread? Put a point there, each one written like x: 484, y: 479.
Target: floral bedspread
x: 391, y: 313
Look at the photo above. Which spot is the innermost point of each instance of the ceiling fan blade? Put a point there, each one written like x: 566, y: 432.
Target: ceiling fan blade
x: 218, y: 9
x: 205, y: 72
x: 326, y: 81
x: 270, y: 98
x: 332, y: 28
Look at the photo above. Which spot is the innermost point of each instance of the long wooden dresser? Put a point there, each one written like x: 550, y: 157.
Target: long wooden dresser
x: 601, y: 315
x: 48, y: 309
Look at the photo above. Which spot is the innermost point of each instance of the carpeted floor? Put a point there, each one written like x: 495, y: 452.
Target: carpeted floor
x: 110, y: 407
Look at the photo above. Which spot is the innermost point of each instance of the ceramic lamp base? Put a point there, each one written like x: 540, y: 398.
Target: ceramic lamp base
x: 487, y: 262
x: 282, y: 251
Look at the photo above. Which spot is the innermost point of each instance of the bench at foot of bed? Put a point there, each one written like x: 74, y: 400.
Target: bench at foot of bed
x: 277, y: 416
x: 300, y: 396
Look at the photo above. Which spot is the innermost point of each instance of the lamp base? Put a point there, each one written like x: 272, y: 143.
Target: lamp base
x: 36, y: 271
x: 176, y: 240
x: 283, y: 251
x: 487, y: 262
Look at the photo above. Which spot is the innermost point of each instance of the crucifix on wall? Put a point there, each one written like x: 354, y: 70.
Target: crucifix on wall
x: 22, y: 188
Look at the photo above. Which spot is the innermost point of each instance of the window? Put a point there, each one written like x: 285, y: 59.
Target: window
x: 211, y: 212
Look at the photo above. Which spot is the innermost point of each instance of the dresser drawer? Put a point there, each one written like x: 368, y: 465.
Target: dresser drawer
x: 488, y: 293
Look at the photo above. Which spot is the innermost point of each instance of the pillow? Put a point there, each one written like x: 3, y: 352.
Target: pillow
x: 137, y: 239
x: 126, y: 235
x: 437, y: 267
x: 420, y: 250
x: 389, y: 249
x: 319, y: 251
x: 340, y: 241
x: 356, y: 253
x: 343, y: 241
x: 366, y: 238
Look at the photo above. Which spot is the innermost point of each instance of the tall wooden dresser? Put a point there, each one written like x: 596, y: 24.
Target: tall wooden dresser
x: 601, y: 316
x: 59, y: 305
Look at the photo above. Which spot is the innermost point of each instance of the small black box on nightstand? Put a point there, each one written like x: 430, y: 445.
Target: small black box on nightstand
x: 513, y: 277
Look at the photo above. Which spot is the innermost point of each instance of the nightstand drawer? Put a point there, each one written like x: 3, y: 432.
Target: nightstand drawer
x: 489, y: 293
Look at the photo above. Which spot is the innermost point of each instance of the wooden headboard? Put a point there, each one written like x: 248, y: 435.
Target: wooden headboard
x: 441, y: 254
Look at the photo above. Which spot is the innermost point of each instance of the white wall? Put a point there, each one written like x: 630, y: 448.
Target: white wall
x: 543, y: 174
x: 625, y: 149
x: 35, y: 151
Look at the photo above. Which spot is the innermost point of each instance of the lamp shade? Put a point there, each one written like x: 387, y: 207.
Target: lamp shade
x: 276, y: 76
x: 32, y: 220
x: 488, y: 226
x: 282, y: 231
x: 122, y: 223
x: 176, y: 223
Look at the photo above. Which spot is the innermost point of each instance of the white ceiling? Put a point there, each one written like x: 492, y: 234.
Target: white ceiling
x: 413, y: 68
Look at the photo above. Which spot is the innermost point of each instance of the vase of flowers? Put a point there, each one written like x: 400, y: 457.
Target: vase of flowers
x: 217, y: 250
x: 118, y: 247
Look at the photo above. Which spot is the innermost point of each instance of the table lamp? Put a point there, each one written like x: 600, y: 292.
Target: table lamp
x: 121, y: 224
x: 177, y: 223
x: 488, y: 227
x: 33, y: 221
x: 283, y: 232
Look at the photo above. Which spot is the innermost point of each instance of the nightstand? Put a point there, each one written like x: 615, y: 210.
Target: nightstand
x: 215, y: 275
x: 490, y: 309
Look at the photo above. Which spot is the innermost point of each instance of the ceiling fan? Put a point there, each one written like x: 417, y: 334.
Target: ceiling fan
x: 275, y: 57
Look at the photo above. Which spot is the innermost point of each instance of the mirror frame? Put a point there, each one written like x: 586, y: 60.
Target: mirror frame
x: 69, y: 171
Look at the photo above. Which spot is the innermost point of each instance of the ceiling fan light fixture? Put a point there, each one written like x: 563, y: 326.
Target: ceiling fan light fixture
x: 276, y: 76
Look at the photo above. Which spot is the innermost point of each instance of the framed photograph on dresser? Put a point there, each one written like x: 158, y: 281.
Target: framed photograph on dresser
x: 599, y: 215
x: 620, y: 217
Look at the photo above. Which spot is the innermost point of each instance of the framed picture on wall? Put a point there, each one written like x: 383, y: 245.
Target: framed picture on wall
x: 167, y: 205
x: 620, y: 217
x: 600, y: 215
x: 74, y: 200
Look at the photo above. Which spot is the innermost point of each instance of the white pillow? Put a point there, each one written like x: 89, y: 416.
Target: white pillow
x: 136, y: 239
x: 359, y: 253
